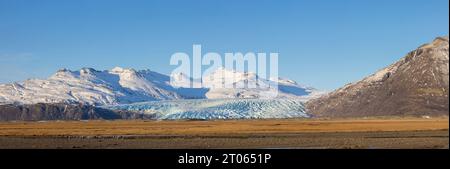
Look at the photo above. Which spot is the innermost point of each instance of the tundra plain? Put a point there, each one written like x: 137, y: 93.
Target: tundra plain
x: 361, y: 133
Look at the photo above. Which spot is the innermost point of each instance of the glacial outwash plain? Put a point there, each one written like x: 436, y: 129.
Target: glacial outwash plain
x: 371, y: 133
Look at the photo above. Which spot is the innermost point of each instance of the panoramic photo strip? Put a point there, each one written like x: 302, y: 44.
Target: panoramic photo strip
x: 226, y: 83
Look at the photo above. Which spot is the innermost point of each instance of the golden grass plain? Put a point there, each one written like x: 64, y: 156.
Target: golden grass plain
x: 217, y: 127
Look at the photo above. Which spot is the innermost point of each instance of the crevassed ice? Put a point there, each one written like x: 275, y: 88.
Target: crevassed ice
x: 219, y: 109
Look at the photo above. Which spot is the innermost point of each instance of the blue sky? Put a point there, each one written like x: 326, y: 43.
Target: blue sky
x: 322, y: 43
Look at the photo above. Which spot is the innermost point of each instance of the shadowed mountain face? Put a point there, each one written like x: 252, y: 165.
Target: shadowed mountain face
x: 60, y: 111
x: 416, y: 85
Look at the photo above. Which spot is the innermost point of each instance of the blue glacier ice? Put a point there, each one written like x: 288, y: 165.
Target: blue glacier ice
x: 208, y: 109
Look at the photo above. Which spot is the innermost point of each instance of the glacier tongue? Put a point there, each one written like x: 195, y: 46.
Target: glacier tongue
x: 218, y: 108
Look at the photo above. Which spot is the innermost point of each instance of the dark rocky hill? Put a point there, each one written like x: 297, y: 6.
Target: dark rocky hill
x: 416, y: 85
x: 60, y: 111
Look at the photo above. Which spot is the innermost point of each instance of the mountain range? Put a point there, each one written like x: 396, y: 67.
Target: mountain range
x: 122, y: 86
x: 416, y: 85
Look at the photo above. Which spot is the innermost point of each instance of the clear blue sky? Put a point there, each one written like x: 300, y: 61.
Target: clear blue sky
x: 322, y: 43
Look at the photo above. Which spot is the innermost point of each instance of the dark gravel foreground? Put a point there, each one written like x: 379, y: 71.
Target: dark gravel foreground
x: 438, y: 139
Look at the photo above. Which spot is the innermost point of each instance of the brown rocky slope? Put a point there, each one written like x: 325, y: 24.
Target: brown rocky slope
x: 416, y: 85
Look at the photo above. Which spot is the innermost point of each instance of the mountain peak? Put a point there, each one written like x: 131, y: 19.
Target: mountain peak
x: 87, y: 70
x: 438, y: 42
x: 224, y: 73
x: 123, y: 70
x: 63, y: 70
x: 442, y: 38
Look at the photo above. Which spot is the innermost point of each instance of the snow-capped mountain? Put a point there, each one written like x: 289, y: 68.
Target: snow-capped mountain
x: 252, y: 86
x: 90, y: 86
x: 122, y: 86
x: 217, y: 109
